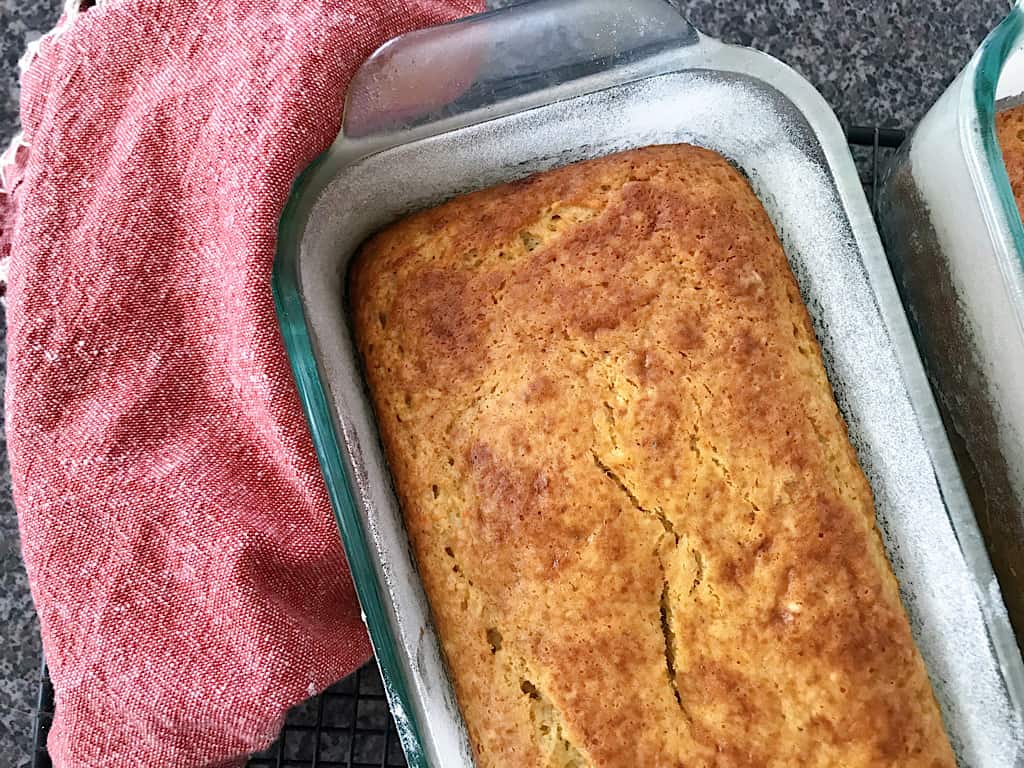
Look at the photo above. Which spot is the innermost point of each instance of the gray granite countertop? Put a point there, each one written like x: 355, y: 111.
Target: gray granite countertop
x: 876, y: 63
x: 20, y: 23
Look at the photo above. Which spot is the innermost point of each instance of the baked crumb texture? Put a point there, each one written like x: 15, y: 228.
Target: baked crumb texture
x: 1010, y: 135
x: 641, y: 526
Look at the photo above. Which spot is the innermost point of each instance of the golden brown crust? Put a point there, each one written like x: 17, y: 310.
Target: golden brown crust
x: 1010, y: 134
x: 643, y: 531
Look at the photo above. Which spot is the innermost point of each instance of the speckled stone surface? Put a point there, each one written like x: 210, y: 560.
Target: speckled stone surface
x: 21, y: 22
x: 875, y: 63
x: 19, y: 630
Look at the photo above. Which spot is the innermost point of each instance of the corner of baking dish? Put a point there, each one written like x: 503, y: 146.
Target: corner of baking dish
x: 995, y: 76
x: 946, y: 199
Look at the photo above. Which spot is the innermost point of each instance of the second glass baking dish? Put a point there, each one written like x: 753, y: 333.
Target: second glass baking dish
x: 956, y: 243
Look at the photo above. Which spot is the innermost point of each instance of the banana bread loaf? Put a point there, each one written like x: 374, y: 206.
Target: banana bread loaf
x: 643, y: 532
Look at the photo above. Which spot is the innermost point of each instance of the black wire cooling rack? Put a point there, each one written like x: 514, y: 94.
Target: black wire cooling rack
x: 349, y: 725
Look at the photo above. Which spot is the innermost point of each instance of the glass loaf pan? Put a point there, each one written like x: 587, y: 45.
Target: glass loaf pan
x: 544, y: 84
x: 956, y: 243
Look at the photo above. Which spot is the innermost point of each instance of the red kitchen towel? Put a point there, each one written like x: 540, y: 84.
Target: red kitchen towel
x: 181, y: 550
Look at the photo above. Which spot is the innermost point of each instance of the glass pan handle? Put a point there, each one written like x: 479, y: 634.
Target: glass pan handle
x: 484, y: 63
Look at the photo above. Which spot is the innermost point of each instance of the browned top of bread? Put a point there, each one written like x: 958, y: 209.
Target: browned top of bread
x: 641, y: 526
x: 1010, y: 134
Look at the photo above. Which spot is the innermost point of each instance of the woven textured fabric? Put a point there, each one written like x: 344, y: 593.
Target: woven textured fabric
x: 190, y: 582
